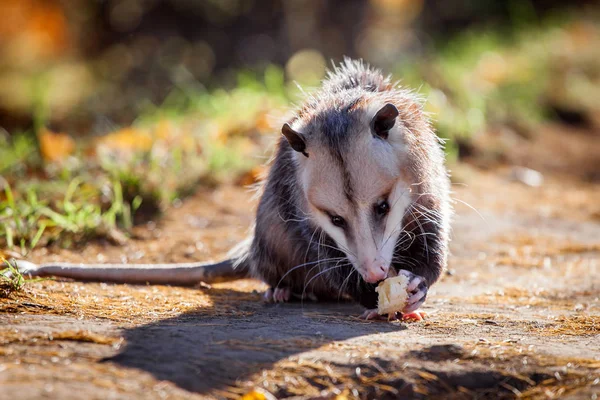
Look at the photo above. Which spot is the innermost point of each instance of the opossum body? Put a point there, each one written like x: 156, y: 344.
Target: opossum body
x: 358, y: 143
x: 357, y: 191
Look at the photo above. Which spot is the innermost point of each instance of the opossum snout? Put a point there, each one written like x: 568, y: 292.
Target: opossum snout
x: 375, y: 272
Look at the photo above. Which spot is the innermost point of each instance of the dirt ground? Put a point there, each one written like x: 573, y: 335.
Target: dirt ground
x: 516, y: 315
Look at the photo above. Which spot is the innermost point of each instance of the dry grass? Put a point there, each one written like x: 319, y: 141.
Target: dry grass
x: 575, y: 325
x: 541, y: 298
x: 11, y: 280
x: 515, y: 371
x: 304, y: 378
x: 564, y: 375
x: 15, y: 336
x: 126, y: 303
x: 524, y: 243
x: 524, y: 250
x: 508, y: 352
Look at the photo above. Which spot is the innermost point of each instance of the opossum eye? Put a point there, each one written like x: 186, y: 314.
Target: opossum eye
x: 338, y: 221
x: 382, y: 208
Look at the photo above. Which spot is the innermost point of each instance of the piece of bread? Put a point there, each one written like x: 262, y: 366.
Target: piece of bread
x: 392, y: 295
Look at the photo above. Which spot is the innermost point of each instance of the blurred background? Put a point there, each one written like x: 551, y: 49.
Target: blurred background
x: 112, y: 111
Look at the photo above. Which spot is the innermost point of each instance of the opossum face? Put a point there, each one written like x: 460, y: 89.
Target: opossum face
x: 356, y: 190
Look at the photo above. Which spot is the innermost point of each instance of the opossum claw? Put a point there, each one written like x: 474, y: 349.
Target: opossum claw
x: 277, y: 295
x: 417, y: 292
x: 416, y: 299
x: 281, y: 295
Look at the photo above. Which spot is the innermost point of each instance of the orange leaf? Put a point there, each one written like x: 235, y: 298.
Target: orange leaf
x: 127, y: 139
x: 55, y: 146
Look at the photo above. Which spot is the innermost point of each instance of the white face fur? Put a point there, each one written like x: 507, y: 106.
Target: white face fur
x: 360, y: 204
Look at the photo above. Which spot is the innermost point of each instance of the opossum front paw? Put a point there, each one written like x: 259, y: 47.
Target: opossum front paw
x: 417, y: 292
x: 277, y: 295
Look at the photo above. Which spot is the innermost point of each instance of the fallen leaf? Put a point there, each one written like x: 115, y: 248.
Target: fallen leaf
x: 55, y: 146
x: 258, y: 394
x: 127, y: 139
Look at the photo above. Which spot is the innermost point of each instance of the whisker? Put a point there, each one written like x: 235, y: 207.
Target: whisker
x: 423, y: 231
x: 319, y: 274
x: 296, y: 219
x: 396, y: 230
x: 344, y: 282
x: 309, y: 243
x: 306, y: 264
x: 405, y: 260
x: 471, y: 207
x: 307, y: 275
x: 343, y: 249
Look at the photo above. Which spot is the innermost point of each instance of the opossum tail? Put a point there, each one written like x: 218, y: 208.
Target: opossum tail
x: 187, y: 274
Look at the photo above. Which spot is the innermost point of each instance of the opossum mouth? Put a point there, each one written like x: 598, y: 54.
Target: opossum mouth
x: 392, y: 272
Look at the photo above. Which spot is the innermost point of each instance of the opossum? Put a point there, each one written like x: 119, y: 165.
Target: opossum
x: 357, y: 191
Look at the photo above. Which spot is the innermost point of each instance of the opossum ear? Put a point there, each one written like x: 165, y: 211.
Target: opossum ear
x: 295, y: 139
x: 384, y: 120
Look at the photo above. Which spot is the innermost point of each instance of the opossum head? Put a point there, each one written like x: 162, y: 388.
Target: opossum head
x: 352, y: 169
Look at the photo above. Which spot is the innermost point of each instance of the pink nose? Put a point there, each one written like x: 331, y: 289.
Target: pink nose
x: 375, y: 274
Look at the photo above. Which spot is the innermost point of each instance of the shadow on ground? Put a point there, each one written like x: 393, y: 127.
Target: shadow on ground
x: 201, y: 353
